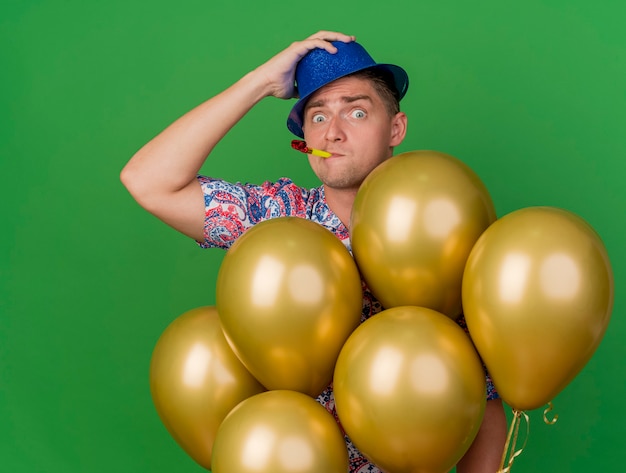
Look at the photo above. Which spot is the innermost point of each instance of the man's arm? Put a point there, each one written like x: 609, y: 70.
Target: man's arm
x: 161, y: 176
x: 485, y: 454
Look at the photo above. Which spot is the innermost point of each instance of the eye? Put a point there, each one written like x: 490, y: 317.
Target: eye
x: 358, y: 113
x: 318, y: 118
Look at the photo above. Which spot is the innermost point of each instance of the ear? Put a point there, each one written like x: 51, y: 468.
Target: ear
x: 398, y: 129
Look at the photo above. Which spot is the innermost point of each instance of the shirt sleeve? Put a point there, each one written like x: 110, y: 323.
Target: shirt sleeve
x: 231, y: 208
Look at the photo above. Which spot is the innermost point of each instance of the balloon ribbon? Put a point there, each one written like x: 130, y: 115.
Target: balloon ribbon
x: 511, y: 438
x: 511, y: 441
x: 545, y: 415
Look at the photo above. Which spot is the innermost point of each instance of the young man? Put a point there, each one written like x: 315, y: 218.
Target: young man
x: 348, y: 107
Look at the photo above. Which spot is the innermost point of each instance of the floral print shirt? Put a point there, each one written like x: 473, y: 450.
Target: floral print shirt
x: 230, y: 209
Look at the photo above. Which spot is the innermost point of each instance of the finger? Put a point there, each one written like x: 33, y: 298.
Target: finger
x: 332, y: 36
x: 319, y: 43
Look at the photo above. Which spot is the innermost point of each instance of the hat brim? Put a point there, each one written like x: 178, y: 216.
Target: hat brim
x: 401, y: 81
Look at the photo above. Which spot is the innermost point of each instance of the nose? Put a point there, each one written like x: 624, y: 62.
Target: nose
x: 334, y: 130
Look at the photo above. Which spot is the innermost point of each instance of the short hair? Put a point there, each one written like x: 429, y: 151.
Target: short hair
x: 384, y: 85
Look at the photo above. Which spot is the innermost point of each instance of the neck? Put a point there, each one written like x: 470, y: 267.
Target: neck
x: 340, y: 202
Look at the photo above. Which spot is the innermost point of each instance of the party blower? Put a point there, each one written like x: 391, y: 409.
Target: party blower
x: 301, y: 146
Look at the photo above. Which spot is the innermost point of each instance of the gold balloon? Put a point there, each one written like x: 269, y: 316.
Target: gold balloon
x: 289, y: 295
x: 195, y: 381
x: 537, y: 296
x: 279, y: 432
x: 414, y: 222
x: 410, y: 390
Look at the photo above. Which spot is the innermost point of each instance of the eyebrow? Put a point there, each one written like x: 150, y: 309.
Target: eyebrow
x: 345, y: 99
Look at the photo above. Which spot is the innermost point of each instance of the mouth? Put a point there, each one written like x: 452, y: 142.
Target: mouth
x: 333, y: 154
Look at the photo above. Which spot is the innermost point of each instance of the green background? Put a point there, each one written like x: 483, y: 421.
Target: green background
x: 530, y: 94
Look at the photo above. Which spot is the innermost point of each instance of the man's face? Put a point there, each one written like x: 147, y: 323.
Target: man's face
x: 348, y: 119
